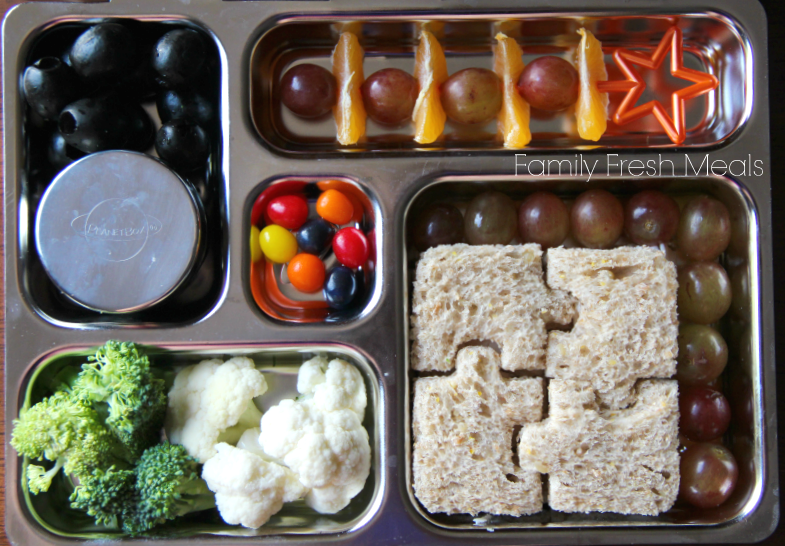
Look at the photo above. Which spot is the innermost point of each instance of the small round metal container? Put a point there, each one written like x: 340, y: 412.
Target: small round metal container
x: 118, y: 231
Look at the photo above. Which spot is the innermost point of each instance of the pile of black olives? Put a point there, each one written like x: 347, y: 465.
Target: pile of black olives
x: 91, y: 94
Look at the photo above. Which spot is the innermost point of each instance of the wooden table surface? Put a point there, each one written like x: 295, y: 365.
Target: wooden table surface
x: 776, y: 17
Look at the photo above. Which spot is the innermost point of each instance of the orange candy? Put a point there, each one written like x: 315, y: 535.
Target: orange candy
x: 335, y: 207
x: 306, y: 273
x: 349, y: 191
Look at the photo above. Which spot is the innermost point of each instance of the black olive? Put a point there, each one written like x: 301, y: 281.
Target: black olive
x: 65, y: 56
x: 59, y: 153
x: 182, y: 144
x: 139, y: 85
x: 104, y: 53
x: 184, y: 104
x: 49, y: 86
x: 95, y: 124
x: 179, y: 57
x: 142, y: 130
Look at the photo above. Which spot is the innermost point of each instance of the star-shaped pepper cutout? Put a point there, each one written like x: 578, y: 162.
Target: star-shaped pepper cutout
x: 634, y: 85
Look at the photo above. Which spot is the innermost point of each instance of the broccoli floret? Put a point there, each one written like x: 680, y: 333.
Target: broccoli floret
x: 105, y: 495
x: 39, y: 479
x: 119, y: 384
x: 69, y: 432
x: 102, y: 428
x: 167, y: 486
x: 163, y: 485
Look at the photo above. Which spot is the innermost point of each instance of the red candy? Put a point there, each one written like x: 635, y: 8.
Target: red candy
x: 288, y: 211
x: 259, y: 210
x: 351, y: 247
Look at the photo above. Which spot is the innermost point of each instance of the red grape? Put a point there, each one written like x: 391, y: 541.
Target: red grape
x: 702, y: 354
x: 704, y: 293
x: 308, y: 90
x: 705, y: 413
x: 472, y: 95
x: 549, y: 83
x: 597, y: 219
x: 543, y: 219
x: 708, y: 475
x: 389, y: 96
x: 651, y: 218
x: 440, y: 224
x: 704, y: 230
x: 491, y: 219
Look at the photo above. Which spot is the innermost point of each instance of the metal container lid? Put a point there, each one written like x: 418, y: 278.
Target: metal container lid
x: 118, y: 231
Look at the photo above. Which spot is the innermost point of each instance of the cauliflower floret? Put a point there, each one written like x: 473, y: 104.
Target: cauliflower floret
x: 248, y: 489
x: 212, y: 402
x: 320, y: 436
x: 334, y: 386
x: 249, y: 441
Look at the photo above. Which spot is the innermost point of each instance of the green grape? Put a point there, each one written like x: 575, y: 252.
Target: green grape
x: 703, y: 354
x: 472, y: 95
x: 491, y: 219
x: 704, y: 293
x: 704, y: 229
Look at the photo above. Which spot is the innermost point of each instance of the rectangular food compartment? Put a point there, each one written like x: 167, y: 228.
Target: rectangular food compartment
x: 269, y: 285
x: 280, y: 364
x: 713, y: 43
x: 201, y: 290
x: 741, y: 380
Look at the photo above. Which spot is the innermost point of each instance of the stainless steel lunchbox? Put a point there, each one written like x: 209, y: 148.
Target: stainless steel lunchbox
x: 254, y: 42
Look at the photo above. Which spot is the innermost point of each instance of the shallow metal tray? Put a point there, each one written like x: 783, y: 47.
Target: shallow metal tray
x: 280, y: 365
x: 396, y: 180
x: 741, y: 382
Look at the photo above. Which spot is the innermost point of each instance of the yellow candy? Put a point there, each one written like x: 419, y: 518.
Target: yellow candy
x: 278, y: 244
x: 256, y: 248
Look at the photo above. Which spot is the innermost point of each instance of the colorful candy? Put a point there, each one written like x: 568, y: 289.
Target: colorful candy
x: 335, y: 207
x: 278, y: 244
x: 351, y: 247
x: 256, y: 248
x: 291, y: 235
x: 259, y: 209
x: 289, y: 211
x: 315, y: 236
x: 341, y: 287
x: 306, y: 273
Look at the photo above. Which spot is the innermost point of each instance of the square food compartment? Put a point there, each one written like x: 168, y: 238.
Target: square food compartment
x: 713, y: 43
x: 268, y: 282
x: 740, y: 327
x: 48, y: 514
x: 201, y: 287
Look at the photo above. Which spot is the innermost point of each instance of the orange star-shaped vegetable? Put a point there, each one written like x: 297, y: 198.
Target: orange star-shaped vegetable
x: 634, y: 85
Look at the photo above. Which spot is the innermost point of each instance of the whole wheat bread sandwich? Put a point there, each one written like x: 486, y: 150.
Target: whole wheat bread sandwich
x: 462, y: 426
x: 623, y: 461
x: 491, y: 293
x: 627, y: 326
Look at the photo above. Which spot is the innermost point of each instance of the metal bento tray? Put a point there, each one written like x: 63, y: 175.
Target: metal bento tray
x: 253, y: 41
